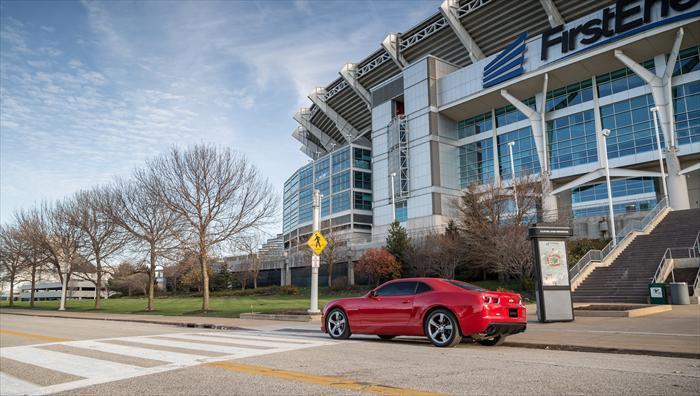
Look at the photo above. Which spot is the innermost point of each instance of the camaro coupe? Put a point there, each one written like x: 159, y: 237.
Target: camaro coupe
x: 441, y: 309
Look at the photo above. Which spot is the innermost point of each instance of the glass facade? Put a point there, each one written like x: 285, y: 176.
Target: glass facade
x: 332, y: 175
x: 509, y: 114
x: 621, y: 80
x: 570, y: 95
x: 363, y: 180
x: 476, y: 163
x: 688, y: 61
x: 524, y: 153
x: 401, y: 212
x: 362, y: 201
x: 362, y: 158
x: 631, y: 126
x: 474, y: 125
x: 686, y: 106
x: 572, y: 140
x: 625, y: 193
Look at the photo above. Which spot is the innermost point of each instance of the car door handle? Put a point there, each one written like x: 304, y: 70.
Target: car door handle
x: 406, y: 301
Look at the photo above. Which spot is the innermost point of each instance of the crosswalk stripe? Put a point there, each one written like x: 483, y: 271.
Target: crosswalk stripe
x: 237, y: 341
x: 10, y: 385
x: 170, y: 357
x: 195, y: 346
x: 259, y: 337
x: 67, y: 363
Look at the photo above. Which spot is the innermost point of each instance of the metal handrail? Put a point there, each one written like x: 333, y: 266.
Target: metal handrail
x: 696, y: 250
x: 600, y: 255
x: 690, y: 252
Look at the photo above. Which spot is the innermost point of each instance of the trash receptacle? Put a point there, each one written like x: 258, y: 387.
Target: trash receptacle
x: 657, y: 293
x: 679, y: 293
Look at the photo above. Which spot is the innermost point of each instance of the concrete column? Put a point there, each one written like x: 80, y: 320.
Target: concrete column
x: 661, y: 92
x: 496, y: 161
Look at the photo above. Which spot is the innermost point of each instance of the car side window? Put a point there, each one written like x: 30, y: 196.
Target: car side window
x: 422, y: 288
x: 397, y: 289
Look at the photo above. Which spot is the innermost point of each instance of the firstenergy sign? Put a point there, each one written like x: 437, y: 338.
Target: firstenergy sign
x: 624, y: 18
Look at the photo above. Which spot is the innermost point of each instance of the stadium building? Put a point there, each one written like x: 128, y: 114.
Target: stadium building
x: 482, y: 84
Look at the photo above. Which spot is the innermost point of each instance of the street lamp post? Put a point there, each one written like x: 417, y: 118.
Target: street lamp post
x: 605, y: 133
x: 315, y: 260
x: 512, y: 170
x: 393, y: 197
x: 654, y: 110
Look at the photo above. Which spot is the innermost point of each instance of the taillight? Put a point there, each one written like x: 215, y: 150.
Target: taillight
x: 491, y: 300
x: 487, y: 299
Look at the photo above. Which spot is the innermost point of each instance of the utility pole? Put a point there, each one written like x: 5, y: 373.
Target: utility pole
x: 393, y: 197
x: 606, y: 132
x: 654, y: 110
x: 315, y: 260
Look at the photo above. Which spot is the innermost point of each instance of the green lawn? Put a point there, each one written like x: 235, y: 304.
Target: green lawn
x: 178, y: 306
x: 221, y: 306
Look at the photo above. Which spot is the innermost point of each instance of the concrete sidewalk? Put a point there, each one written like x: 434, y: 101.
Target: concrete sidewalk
x: 673, y: 333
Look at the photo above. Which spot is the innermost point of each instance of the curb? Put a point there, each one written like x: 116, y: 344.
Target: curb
x: 282, y: 317
x: 580, y: 348
x: 178, y: 324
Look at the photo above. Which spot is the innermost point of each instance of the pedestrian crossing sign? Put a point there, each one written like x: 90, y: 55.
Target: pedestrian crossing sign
x: 317, y: 242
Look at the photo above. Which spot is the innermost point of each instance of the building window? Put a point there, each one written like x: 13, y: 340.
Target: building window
x: 569, y: 95
x: 476, y: 163
x: 325, y: 206
x: 686, y: 105
x: 305, y: 213
x: 620, y: 188
x: 306, y: 176
x: 323, y: 186
x: 618, y: 208
x: 474, y: 125
x: 341, y: 160
x: 688, y: 61
x: 363, y: 180
x: 363, y: 201
x: 621, y: 80
x: 401, y: 212
x: 322, y: 168
x: 631, y: 126
x: 524, y: 153
x: 362, y: 158
x: 572, y: 140
x: 305, y: 196
x: 509, y: 114
x: 341, y: 201
x: 341, y: 181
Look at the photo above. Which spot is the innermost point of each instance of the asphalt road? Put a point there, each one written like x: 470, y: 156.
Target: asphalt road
x: 71, y: 356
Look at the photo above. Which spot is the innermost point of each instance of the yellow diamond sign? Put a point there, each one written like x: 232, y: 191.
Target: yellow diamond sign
x: 317, y: 242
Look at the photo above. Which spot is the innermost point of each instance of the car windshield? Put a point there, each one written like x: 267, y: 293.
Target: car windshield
x: 466, y: 286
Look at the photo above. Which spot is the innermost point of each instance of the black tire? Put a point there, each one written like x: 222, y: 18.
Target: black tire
x: 337, y: 324
x: 386, y: 337
x: 442, y: 329
x: 493, y: 341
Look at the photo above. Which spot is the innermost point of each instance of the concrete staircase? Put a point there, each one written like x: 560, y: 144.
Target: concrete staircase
x: 626, y: 279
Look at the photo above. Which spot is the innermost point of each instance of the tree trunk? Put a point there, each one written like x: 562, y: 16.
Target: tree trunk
x: 31, y: 292
x: 151, y: 277
x: 205, y: 281
x: 330, y: 274
x: 12, y: 290
x: 98, y: 290
x: 64, y: 290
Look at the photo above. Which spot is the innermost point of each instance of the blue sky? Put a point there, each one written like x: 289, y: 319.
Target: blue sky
x: 89, y: 90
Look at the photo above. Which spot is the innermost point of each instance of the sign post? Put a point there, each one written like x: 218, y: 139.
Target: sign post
x: 553, y: 288
x: 317, y: 243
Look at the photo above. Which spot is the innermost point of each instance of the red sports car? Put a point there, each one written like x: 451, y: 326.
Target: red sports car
x: 443, y: 310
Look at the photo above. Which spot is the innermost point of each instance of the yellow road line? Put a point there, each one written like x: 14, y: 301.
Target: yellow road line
x: 33, y: 336
x: 334, y: 382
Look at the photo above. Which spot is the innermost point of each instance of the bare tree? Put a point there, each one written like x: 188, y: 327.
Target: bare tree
x: 216, y: 193
x: 335, y: 250
x: 133, y: 206
x: 12, y: 261
x: 102, y: 239
x: 495, y: 232
x: 60, y: 239
x: 249, y: 244
x: 30, y: 229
